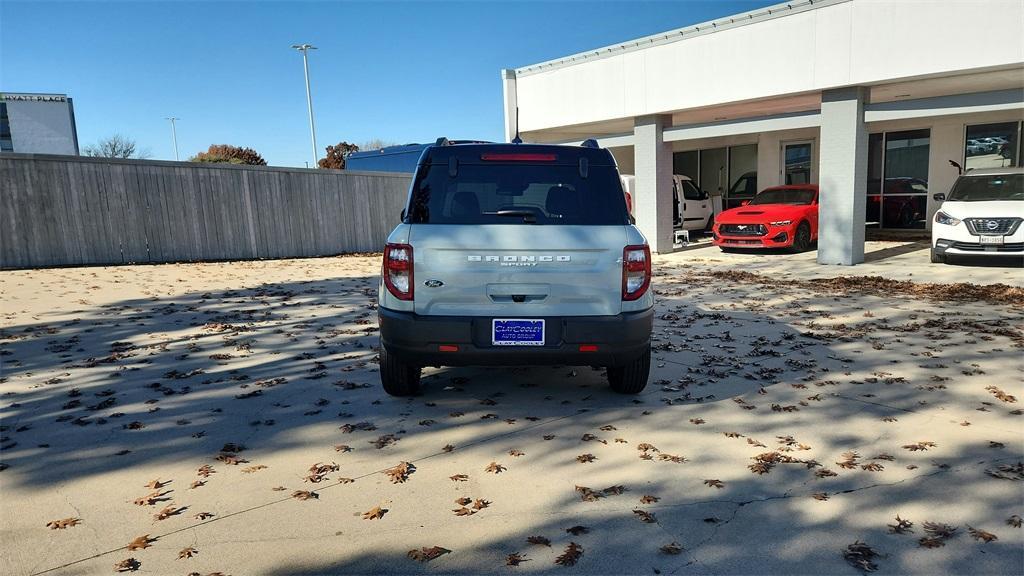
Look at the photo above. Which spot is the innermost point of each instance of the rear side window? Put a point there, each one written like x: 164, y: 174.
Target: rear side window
x: 517, y: 194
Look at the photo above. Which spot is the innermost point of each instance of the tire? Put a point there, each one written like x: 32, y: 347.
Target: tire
x: 802, y: 238
x: 937, y: 258
x: 397, y: 377
x: 632, y: 377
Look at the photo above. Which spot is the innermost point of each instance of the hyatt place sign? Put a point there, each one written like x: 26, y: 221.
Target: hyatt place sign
x: 32, y: 98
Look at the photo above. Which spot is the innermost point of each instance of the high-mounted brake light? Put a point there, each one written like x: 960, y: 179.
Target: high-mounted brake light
x: 397, y: 270
x: 636, y: 271
x: 518, y: 157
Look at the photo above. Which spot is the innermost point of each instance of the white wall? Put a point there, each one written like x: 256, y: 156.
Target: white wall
x: 851, y: 43
x: 41, y: 127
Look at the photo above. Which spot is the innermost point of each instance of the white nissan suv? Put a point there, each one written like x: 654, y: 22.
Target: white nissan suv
x: 982, y: 215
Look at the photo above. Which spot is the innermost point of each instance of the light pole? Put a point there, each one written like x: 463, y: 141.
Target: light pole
x: 305, y: 48
x: 174, y: 135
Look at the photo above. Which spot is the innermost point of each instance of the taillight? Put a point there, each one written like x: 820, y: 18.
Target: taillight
x: 636, y: 271
x: 397, y: 270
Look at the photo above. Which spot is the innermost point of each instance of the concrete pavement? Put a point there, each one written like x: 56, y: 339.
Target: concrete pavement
x: 116, y: 377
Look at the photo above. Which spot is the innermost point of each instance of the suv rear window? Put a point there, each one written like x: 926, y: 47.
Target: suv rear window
x: 517, y: 193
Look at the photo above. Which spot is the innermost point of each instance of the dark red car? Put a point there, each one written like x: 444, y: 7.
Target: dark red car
x: 778, y: 217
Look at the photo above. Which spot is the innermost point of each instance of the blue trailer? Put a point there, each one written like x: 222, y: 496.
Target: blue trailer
x: 396, y: 158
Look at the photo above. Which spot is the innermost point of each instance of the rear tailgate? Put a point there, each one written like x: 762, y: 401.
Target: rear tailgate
x: 524, y: 270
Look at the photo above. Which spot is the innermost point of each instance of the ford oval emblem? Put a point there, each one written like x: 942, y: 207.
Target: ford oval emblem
x: 433, y: 283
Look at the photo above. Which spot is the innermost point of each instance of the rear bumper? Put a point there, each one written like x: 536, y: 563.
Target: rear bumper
x: 417, y: 340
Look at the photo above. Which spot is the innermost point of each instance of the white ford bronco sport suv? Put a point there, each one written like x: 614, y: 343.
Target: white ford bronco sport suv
x: 515, y: 254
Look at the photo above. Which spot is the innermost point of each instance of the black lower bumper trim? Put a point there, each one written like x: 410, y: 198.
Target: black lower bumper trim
x: 417, y: 340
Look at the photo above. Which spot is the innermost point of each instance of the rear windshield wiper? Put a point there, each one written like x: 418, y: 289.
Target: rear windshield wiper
x: 528, y: 216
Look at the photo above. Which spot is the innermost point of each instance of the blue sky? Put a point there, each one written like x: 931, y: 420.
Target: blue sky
x: 398, y: 71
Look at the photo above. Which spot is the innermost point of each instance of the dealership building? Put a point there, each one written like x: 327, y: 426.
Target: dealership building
x: 869, y: 99
x: 37, y: 124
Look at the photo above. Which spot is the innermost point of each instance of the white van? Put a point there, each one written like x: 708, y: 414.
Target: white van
x: 693, y: 211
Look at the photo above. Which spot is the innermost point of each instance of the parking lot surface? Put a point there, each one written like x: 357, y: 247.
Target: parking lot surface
x: 231, y: 415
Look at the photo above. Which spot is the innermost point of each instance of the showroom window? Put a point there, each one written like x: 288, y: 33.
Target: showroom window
x: 729, y: 172
x: 992, y: 145
x: 898, y: 179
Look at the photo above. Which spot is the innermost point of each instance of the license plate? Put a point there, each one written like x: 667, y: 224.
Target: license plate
x: 991, y: 239
x: 517, y: 332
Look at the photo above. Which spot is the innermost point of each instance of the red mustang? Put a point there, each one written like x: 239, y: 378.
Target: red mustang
x: 778, y: 217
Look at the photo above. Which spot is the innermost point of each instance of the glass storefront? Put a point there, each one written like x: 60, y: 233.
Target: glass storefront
x: 897, y: 194
x: 992, y: 145
x: 727, y: 172
x: 742, y: 174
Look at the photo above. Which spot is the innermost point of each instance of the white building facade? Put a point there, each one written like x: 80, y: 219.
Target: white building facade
x: 870, y: 99
x: 37, y: 124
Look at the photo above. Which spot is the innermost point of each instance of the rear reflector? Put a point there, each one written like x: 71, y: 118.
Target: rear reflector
x: 519, y: 157
x: 588, y: 348
x: 448, y: 348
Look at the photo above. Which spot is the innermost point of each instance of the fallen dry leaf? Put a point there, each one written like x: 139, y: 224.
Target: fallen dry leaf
x: 584, y: 458
x: 981, y: 535
x: 515, y: 559
x: 861, y: 556
x: 901, y: 526
x: 495, y: 468
x: 572, y: 554
x: 203, y: 516
x: 1014, y: 521
x: 648, y: 499
x: 427, y: 554
x: 673, y: 548
x: 305, y: 495
x: 714, y: 483
x: 539, y: 540
x: 155, y: 484
x: 375, y: 513
x: 577, y: 530
x: 459, y: 478
x: 63, y: 524
x: 400, y: 473
x: 167, y: 512
x: 127, y: 565
x: 141, y: 543
x: 187, y: 553
x: 645, y: 516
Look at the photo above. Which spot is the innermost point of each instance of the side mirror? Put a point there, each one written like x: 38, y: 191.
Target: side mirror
x: 704, y: 195
x: 939, y: 197
x: 402, y: 216
x: 959, y: 168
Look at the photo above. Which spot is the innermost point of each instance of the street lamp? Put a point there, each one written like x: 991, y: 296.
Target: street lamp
x: 174, y: 135
x: 305, y: 48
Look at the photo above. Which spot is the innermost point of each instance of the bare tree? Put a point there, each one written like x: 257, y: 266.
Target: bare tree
x: 375, y: 144
x: 116, y: 146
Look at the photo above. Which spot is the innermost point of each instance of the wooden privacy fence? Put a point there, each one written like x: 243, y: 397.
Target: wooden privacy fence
x: 70, y: 210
